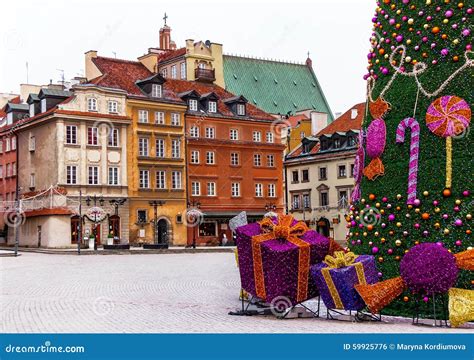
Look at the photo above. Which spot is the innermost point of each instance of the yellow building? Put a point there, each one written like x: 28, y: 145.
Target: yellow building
x: 155, y: 151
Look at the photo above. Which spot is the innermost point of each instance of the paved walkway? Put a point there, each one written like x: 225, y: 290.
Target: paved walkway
x: 144, y: 293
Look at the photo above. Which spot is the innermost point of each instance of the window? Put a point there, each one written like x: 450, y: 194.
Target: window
x: 296, y: 201
x: 156, y: 90
x: 175, y: 148
x: 341, y: 171
x: 194, y: 131
x: 113, y: 176
x: 1, y: 171
x: 234, y: 159
x: 210, y: 132
x: 211, y: 189
x: 294, y: 176
x: 343, y: 197
x: 183, y: 70
x: 13, y: 143
x: 93, y: 178
x: 271, y: 190
x: 212, y: 107
x: 257, y: 136
x: 257, y: 161
x: 210, y: 158
x: 241, y: 109
x: 174, y: 72
x: 305, y: 175
x: 270, y: 160
x: 43, y: 105
x: 195, y: 188
x: 143, y: 116
x: 160, y: 147
x: 306, y: 201
x: 92, y: 136
x: 194, y: 157
x: 141, y: 216
x: 208, y: 228
x: 175, y: 119
x: 323, y: 199
x: 1, y: 146
x: 350, y: 141
x: 234, y: 134
x: 159, y: 117
x: 7, y: 145
x: 193, y: 105
x: 269, y: 137
x: 302, y: 135
x: 337, y: 143
x: 235, y: 189
x: 112, y: 107
x: 9, y: 170
x: 164, y: 72
x: 144, y: 179
x: 322, y: 173
x: 13, y: 168
x: 91, y: 104
x: 32, y: 182
x: 143, y: 146
x: 161, y: 179
x: 114, y: 138
x: 71, y: 174
x: 176, y: 180
x: 71, y: 134
x: 258, y: 190
x: 32, y: 143
x: 306, y: 148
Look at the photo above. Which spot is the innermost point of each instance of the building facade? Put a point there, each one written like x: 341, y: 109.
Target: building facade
x: 74, y: 143
x: 319, y: 175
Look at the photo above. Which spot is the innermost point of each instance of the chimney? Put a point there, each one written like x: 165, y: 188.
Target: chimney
x: 165, y: 38
x: 91, y: 70
x: 353, y: 114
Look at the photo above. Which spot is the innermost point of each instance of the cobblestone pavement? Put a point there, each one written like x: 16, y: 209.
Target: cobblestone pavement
x: 144, y: 293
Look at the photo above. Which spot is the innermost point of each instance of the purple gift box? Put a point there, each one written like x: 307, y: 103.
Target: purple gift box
x: 280, y: 263
x: 337, y: 291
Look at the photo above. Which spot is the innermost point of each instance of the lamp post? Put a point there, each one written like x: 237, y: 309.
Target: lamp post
x: 94, y: 199
x: 155, y: 204
x: 194, y: 205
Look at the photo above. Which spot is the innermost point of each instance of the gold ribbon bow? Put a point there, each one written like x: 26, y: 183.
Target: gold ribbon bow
x: 340, y: 259
x: 282, y: 229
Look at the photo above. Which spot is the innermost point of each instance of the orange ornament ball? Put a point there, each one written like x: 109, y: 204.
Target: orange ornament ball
x: 381, y: 51
x: 435, y: 30
x: 370, y: 227
x: 406, y: 298
x: 456, y: 58
x: 444, y: 36
x: 446, y: 192
x: 372, y: 197
x: 425, y: 216
x: 397, y: 257
x: 468, y: 231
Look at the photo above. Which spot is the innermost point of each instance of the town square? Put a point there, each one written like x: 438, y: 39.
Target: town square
x: 237, y: 169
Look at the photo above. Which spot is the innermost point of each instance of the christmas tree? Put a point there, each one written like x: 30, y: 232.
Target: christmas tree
x: 414, y: 168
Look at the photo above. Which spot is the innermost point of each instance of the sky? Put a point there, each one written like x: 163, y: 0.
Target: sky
x: 52, y: 36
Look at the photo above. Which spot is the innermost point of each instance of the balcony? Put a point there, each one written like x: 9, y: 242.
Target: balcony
x: 204, y: 75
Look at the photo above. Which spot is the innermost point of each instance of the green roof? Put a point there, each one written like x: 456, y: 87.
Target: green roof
x: 275, y: 87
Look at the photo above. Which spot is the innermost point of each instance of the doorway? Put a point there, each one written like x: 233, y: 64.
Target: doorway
x: 114, y: 228
x: 39, y: 235
x: 162, y: 228
x: 75, y: 235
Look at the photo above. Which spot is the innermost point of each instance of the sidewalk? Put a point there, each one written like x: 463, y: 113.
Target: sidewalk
x: 7, y: 250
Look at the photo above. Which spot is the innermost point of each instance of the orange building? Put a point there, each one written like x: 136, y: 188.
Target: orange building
x: 234, y: 160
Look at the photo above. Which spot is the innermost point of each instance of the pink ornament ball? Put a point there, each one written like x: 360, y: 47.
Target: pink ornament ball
x: 445, y: 216
x: 448, y: 13
x: 458, y: 222
x: 384, y: 199
x: 457, y: 209
x: 466, y: 32
x: 417, y: 202
x: 444, y: 52
x: 435, y: 203
x: 380, y: 274
x: 465, y: 193
x: 417, y: 226
x: 390, y: 251
x: 391, y: 217
x: 375, y: 250
x: 399, y: 38
x: 458, y: 242
x: 426, y: 299
x: 425, y: 233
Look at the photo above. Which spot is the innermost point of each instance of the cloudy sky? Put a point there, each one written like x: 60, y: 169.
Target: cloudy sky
x: 52, y: 36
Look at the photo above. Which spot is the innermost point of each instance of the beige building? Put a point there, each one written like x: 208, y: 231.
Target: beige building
x: 74, y: 141
x: 319, y: 175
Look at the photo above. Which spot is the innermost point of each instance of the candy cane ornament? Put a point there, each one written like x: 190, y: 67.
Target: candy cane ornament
x: 414, y: 153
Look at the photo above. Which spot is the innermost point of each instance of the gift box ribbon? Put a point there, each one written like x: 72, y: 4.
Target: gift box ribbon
x: 283, y: 229
x: 341, y: 259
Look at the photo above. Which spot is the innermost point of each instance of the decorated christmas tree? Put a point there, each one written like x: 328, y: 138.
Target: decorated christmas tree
x: 414, y: 167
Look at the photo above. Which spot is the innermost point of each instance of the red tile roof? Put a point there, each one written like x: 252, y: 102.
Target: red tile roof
x: 344, y: 122
x: 122, y: 74
x: 171, y: 54
x: 295, y: 119
x: 15, y: 100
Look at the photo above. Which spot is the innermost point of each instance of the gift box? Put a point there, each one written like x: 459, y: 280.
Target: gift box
x: 337, y: 275
x: 275, y: 257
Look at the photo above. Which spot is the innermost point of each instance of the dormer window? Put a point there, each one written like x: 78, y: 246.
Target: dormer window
x: 212, y: 107
x: 193, y: 105
x: 156, y: 90
x: 337, y: 143
x: 91, y: 104
x: 32, y: 110
x: 350, y: 141
x: 241, y: 109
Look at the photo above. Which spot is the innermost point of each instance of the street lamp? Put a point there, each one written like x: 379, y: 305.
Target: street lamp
x: 94, y: 200
x: 270, y: 207
x: 155, y: 204
x: 194, y: 205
